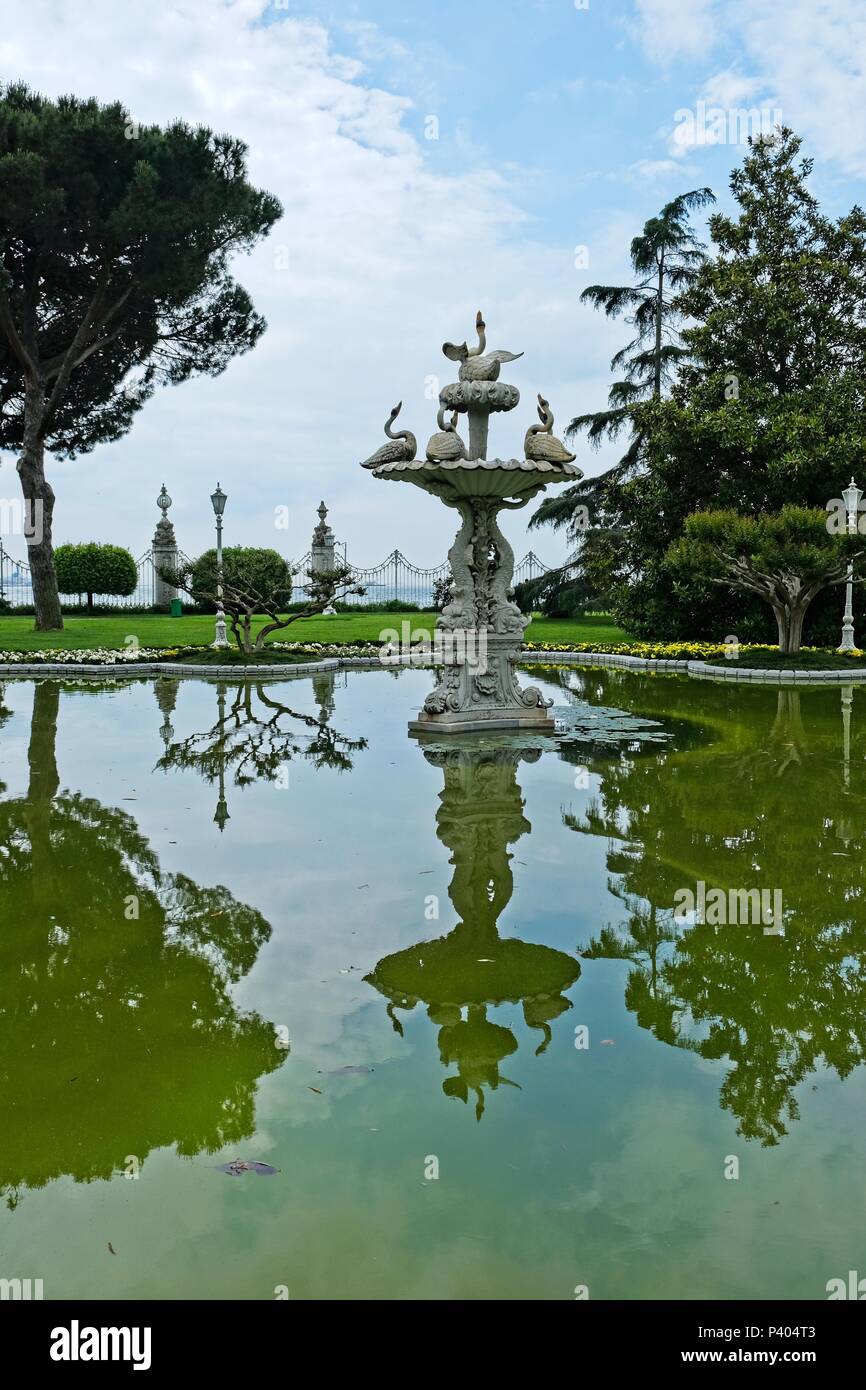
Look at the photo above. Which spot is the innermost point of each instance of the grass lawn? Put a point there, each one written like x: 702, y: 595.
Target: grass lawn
x: 818, y: 660
x: 157, y: 630
x: 575, y: 630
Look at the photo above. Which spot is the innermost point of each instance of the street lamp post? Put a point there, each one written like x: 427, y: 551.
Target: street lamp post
x: 218, y: 500
x: 851, y: 496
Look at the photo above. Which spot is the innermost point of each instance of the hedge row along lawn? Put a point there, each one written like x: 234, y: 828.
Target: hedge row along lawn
x: 158, y: 630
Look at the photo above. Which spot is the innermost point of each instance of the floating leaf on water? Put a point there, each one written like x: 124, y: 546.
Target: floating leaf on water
x: 111, y: 1248
x: 599, y: 724
x: 349, y: 1071
x: 314, y: 1088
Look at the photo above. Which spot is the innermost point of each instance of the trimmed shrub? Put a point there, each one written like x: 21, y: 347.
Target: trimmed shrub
x: 247, y: 567
x: 90, y: 568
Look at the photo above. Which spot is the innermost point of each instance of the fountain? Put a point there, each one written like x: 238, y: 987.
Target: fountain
x: 480, y: 632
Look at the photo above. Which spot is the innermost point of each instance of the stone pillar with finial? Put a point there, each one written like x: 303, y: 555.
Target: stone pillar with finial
x: 322, y: 550
x: 164, y: 552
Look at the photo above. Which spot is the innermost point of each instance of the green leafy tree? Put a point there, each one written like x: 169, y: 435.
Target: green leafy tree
x: 786, y: 558
x: 665, y: 259
x: 256, y: 582
x: 95, y: 569
x: 115, y: 241
x: 769, y: 408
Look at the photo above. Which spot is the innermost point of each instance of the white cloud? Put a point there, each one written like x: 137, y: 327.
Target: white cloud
x: 670, y: 30
x: 656, y: 171
x: 385, y: 258
x: 813, y: 52
x: 806, y: 58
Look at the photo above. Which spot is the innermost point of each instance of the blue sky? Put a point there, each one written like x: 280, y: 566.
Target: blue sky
x: 557, y: 128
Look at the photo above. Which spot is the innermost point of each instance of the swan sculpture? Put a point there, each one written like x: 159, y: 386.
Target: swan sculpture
x: 447, y: 444
x: 475, y: 364
x: 540, y: 444
x: 401, y: 448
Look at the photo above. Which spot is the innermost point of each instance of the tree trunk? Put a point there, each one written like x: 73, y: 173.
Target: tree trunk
x: 39, y: 503
x: 42, y: 751
x: 790, y: 624
x: 242, y: 632
x: 657, y: 383
x: 44, y: 784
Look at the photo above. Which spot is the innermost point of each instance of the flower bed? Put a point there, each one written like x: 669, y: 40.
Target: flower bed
x: 673, y: 651
x: 94, y: 656
x: 132, y: 656
x: 653, y: 651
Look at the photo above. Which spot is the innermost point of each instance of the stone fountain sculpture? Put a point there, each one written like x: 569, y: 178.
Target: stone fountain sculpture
x: 480, y: 632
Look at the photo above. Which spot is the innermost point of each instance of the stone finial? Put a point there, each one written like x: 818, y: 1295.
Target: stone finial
x: 164, y: 538
x: 322, y: 533
x: 164, y: 551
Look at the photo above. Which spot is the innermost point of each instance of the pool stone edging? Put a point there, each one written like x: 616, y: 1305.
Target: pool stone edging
x: 701, y: 670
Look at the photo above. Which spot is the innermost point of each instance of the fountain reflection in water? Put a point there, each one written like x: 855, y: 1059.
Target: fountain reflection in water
x: 462, y: 975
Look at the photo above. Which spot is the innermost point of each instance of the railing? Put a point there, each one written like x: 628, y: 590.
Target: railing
x: 395, y: 579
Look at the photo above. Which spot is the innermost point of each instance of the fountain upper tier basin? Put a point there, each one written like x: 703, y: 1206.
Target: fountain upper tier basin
x: 480, y: 477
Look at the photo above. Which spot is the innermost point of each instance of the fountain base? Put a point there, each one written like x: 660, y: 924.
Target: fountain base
x: 478, y: 687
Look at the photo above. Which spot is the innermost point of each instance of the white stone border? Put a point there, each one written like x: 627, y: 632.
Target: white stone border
x: 700, y: 669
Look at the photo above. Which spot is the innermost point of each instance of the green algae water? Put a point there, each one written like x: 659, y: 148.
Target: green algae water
x: 440, y: 987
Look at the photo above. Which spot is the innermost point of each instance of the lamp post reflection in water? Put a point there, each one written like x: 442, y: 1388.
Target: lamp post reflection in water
x: 843, y: 829
x: 221, y: 814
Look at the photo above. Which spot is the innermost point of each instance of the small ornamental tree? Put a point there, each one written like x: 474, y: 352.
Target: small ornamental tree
x: 257, y: 582
x: 95, y: 569
x: 784, y: 557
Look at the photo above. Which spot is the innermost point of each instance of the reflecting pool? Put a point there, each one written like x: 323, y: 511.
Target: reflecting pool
x: 441, y: 986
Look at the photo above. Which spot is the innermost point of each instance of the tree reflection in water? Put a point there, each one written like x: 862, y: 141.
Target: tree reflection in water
x: 255, y: 735
x: 770, y: 803
x: 118, y: 1033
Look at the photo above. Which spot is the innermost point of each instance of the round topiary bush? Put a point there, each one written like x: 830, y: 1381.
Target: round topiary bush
x: 91, y: 568
x: 246, y: 567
